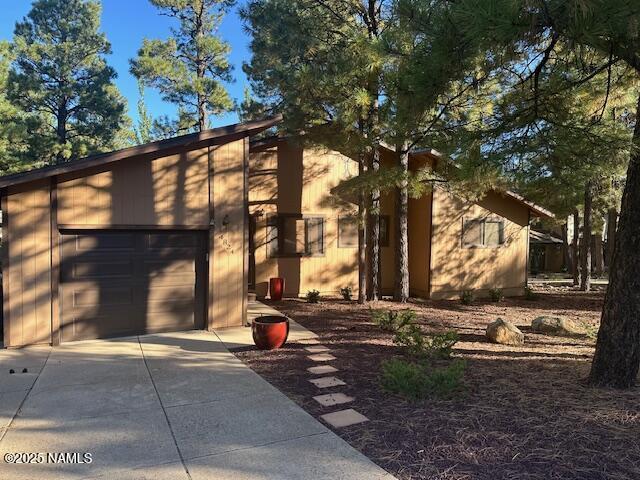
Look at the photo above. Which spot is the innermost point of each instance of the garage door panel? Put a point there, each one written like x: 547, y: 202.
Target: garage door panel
x: 108, y: 296
x: 98, y: 268
x: 123, y: 242
x: 116, y: 284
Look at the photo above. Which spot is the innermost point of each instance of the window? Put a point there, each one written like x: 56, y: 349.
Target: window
x: 294, y: 235
x: 384, y: 230
x: 482, y: 232
x: 347, y: 232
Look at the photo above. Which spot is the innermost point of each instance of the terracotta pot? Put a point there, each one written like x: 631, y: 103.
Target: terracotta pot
x: 276, y: 288
x: 270, y: 331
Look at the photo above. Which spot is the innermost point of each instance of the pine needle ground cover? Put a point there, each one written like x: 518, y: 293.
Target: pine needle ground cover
x: 523, y: 412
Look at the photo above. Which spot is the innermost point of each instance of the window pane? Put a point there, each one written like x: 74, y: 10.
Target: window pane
x: 472, y: 233
x: 272, y: 236
x: 384, y: 230
x: 291, y: 236
x: 493, y: 233
x: 315, y: 234
x: 347, y: 232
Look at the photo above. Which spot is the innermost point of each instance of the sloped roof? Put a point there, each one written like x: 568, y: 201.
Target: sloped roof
x: 536, y: 210
x: 154, y: 149
x: 543, y: 238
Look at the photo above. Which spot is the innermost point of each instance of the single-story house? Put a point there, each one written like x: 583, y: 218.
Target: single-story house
x: 174, y: 234
x: 546, y: 252
x: 301, y: 232
x: 146, y: 239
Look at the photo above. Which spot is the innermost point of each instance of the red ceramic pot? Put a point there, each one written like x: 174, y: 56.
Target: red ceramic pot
x: 276, y: 288
x: 270, y: 331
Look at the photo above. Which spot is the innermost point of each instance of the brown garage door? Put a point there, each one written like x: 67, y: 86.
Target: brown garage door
x: 115, y: 283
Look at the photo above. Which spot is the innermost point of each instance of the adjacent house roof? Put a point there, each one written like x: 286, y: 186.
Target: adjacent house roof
x: 536, y: 210
x: 154, y: 149
x: 544, y: 238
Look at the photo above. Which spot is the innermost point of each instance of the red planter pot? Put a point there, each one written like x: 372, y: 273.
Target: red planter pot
x: 276, y: 288
x: 270, y: 331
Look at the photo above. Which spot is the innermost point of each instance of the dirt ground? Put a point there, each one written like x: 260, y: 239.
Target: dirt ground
x: 524, y: 412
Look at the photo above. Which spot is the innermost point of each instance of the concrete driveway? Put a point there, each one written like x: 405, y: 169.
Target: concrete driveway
x: 170, y: 406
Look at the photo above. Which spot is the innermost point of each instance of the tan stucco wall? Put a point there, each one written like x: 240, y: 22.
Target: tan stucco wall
x: 27, y: 267
x: 455, y: 268
x: 288, y: 179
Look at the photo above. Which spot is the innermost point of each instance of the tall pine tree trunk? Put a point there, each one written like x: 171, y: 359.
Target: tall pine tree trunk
x: 617, y: 355
x: 566, y: 254
x: 598, y: 257
x: 585, y: 250
x: 61, y: 132
x: 612, y: 220
x: 575, y: 248
x: 362, y: 239
x: 401, y: 287
x: 373, y: 282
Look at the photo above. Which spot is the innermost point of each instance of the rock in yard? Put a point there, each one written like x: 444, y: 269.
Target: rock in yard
x: 556, y: 326
x: 504, y: 332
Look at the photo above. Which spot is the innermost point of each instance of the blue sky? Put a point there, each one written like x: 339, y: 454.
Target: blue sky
x: 126, y: 23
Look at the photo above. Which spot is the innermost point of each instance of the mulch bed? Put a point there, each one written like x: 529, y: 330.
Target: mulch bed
x: 524, y: 413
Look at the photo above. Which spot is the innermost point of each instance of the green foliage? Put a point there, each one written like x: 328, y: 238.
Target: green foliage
x: 189, y: 68
x: 496, y: 294
x: 393, y: 320
x: 61, y: 81
x: 417, y: 344
x: 416, y: 381
x: 529, y: 293
x: 467, y: 297
x: 313, y: 296
x: 346, y: 293
x: 144, y: 130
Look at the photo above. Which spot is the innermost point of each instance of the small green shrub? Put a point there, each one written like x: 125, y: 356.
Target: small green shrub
x: 467, y: 297
x: 419, y: 345
x: 444, y: 381
x: 404, y: 378
x: 346, y: 293
x: 411, y: 338
x: 313, y: 296
x: 393, y: 320
x: 440, y: 345
x: 529, y: 294
x: 496, y: 294
x: 416, y: 381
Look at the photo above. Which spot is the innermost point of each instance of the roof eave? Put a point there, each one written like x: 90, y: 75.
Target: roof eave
x: 210, y: 136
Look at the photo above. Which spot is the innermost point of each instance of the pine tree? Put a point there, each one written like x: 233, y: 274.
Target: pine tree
x: 61, y: 80
x: 190, y: 67
x: 319, y: 64
x: 609, y: 29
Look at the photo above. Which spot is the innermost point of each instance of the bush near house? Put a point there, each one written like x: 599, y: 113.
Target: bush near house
x: 393, y: 320
x: 467, y: 297
x: 313, y: 296
x: 346, y: 293
x: 417, y: 381
x: 496, y: 294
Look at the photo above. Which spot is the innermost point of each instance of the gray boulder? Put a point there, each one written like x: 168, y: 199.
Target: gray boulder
x: 504, y: 332
x: 556, y: 326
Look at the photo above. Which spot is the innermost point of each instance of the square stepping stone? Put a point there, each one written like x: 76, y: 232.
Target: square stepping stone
x: 322, y: 369
x: 321, y: 357
x: 316, y: 349
x: 332, y: 399
x: 309, y: 341
x: 326, y: 382
x: 344, y: 418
